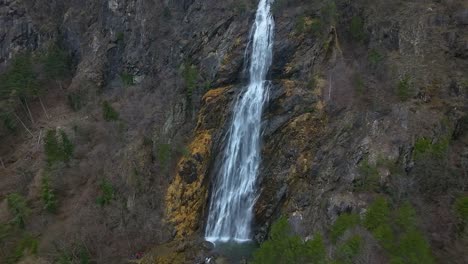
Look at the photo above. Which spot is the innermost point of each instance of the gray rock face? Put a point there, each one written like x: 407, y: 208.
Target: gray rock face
x: 17, y: 33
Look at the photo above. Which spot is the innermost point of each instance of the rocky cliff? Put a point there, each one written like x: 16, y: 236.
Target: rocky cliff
x: 368, y: 99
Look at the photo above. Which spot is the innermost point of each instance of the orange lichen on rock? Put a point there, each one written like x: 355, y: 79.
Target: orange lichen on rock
x: 186, y: 195
x: 214, y: 93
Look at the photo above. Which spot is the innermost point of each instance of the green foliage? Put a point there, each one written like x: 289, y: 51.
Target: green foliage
x: 300, y: 24
x: 75, y: 101
x: 127, y: 79
x: 67, y: 147
x: 239, y: 7
x: 19, y: 81
x: 404, y: 242
x: 421, y: 147
x: 357, y: 28
x: 404, y: 88
x: 315, y: 250
x: 167, y: 12
x: 412, y: 249
x: 190, y: 74
x: 424, y: 148
x: 5, y: 231
x: 107, y: 193
x: 9, y: 122
x: 57, y: 149
x: 52, y: 147
x: 108, y: 112
x: 279, y: 5
x: 343, y: 223
x: 26, y: 246
x: 56, y: 63
x: 163, y: 153
x: 369, y: 178
x: 47, y: 195
x: 461, y: 208
x: 349, y: 249
x: 18, y: 208
x: 377, y: 215
x: 75, y: 255
x: 329, y: 13
x: 312, y: 83
x: 282, y: 247
x: 375, y: 57
x: 359, y: 85
x: 120, y: 36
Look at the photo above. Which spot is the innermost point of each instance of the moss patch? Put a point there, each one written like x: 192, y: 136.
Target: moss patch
x: 185, y: 201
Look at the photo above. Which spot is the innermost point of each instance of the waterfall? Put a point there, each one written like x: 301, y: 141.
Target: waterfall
x: 233, y: 191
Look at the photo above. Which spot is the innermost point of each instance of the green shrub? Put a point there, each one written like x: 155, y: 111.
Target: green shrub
x: 75, y: 254
x: 163, y: 153
x: 283, y: 247
x: 315, y: 251
x: 343, y: 223
x: 375, y: 57
x: 424, y: 148
x: 357, y: 28
x: 120, y: 36
x: 239, y: 7
x: 9, y: 123
x: 359, y: 85
x: 47, y: 195
x: 329, y: 13
x: 107, y: 193
x: 300, y: 24
x: 52, y: 147
x: 18, y: 208
x: 67, y: 147
x: 404, y: 88
x: 6, y: 229
x: 398, y: 234
x: 57, y: 63
x: 26, y: 246
x: 377, y: 215
x: 108, y: 112
x: 406, y: 217
x: 369, y: 180
x: 167, y: 13
x: 75, y: 100
x: 461, y: 208
x: 349, y: 249
x: 20, y: 80
x: 190, y: 74
x: 412, y: 249
x: 55, y: 150
x: 421, y: 147
x: 279, y: 5
x: 127, y: 79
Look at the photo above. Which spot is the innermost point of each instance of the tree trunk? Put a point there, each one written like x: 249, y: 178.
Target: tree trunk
x: 43, y: 108
x: 22, y: 123
x: 29, y: 111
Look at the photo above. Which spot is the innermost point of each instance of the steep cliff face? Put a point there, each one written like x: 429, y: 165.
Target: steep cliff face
x: 368, y: 99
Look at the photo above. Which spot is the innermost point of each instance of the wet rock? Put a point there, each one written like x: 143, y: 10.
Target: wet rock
x: 461, y: 17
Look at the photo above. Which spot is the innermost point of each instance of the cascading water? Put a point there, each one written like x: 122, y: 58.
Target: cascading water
x: 233, y: 195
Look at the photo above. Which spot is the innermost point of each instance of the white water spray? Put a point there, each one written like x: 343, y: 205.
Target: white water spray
x: 233, y: 193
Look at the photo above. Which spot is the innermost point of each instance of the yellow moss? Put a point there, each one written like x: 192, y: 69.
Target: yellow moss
x: 289, y: 87
x: 184, y: 201
x: 214, y: 93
